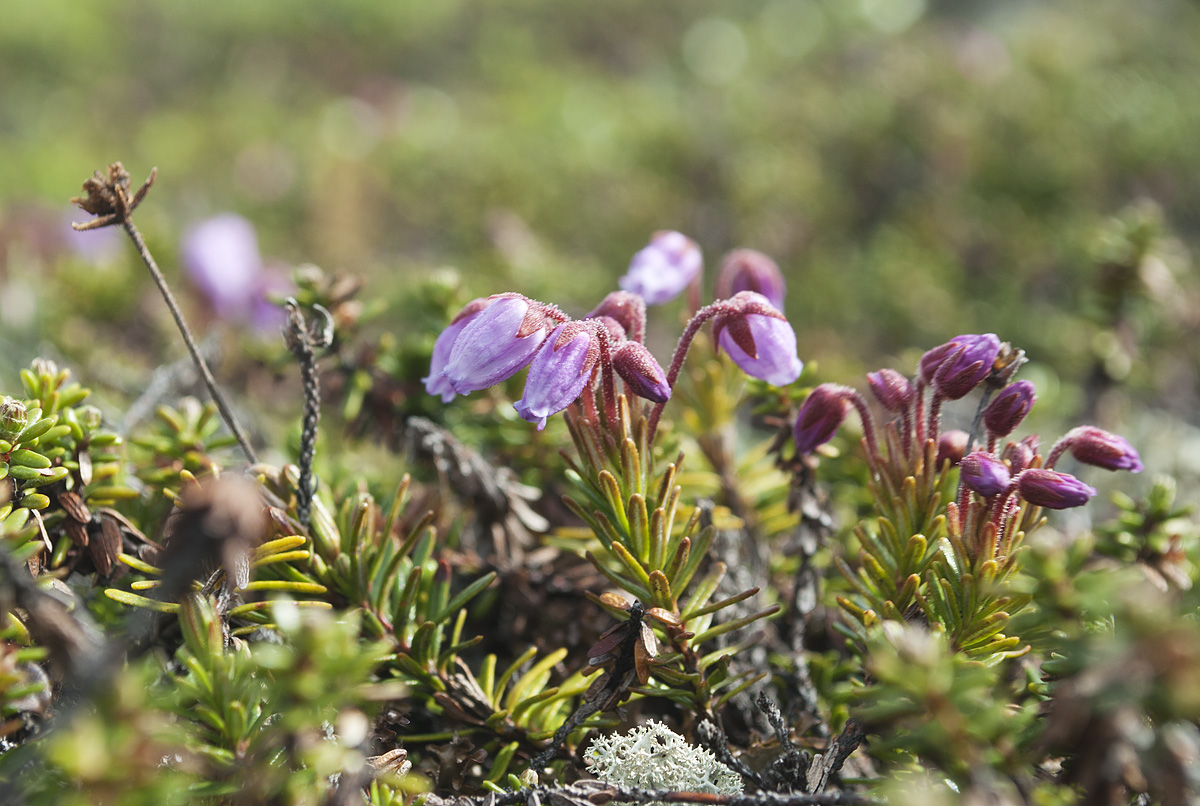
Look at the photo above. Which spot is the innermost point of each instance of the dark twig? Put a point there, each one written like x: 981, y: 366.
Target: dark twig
x: 303, y: 340
x: 712, y: 737
x: 108, y: 198
x: 824, y: 767
x: 787, y: 772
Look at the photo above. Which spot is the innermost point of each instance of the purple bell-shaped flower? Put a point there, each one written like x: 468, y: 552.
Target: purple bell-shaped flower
x: 661, y: 270
x: 984, y: 473
x: 820, y: 417
x: 751, y: 270
x: 1053, y: 490
x: 641, y: 373
x: 759, y: 339
x: 435, y: 382
x: 559, y: 372
x: 496, y: 344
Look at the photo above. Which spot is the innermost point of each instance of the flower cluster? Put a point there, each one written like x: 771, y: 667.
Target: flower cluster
x: 493, y: 338
x: 950, y: 372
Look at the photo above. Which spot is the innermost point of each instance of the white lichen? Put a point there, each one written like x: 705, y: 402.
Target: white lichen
x: 653, y: 757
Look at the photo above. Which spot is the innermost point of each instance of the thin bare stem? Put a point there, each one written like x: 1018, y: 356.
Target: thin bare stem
x: 201, y: 365
x: 681, y: 350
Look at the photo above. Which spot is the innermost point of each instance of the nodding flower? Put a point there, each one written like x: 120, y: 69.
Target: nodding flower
x: 984, y: 473
x: 820, y: 417
x: 641, y: 372
x: 559, y: 372
x: 759, y: 339
x: 967, y: 366
x: 1009, y: 408
x: 750, y: 270
x: 661, y: 270
x: 1052, y: 490
x: 435, y: 382
x: 496, y: 344
x: 1095, y: 446
x: 890, y: 388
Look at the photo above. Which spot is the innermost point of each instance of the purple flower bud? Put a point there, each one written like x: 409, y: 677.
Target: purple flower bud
x: 559, y: 372
x: 641, y: 373
x: 750, y: 270
x: 660, y: 271
x: 496, y: 344
x: 984, y: 473
x: 435, y: 382
x: 1095, y: 446
x: 1009, y: 408
x: 220, y: 255
x: 820, y: 417
x: 890, y: 388
x: 1020, y: 455
x: 629, y: 311
x: 758, y: 338
x: 967, y: 366
x: 952, y: 445
x: 1052, y: 490
x: 933, y: 359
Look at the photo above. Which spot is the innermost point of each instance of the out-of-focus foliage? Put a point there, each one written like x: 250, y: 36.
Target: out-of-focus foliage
x: 947, y: 167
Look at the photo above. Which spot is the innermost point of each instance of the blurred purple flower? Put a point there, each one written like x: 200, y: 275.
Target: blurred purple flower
x: 641, y: 373
x: 220, y: 255
x: 1009, y: 408
x: 95, y: 246
x: 1053, y: 490
x: 558, y: 373
x: 1095, y: 446
x: 759, y: 339
x: 750, y: 270
x: 890, y: 388
x: 661, y: 270
x: 435, y: 382
x: 984, y: 473
x: 952, y: 444
x: 967, y: 366
x: 496, y: 344
x: 820, y: 417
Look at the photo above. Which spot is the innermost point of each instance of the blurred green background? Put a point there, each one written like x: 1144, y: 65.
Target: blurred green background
x: 918, y: 168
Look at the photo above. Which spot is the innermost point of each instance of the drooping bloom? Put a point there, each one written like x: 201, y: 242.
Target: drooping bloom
x: 751, y: 270
x: 641, y: 373
x: 759, y: 339
x: 661, y: 270
x: 1053, y: 490
x: 984, y: 473
x: 820, y: 417
x: 435, y: 382
x: 1009, y: 408
x: 220, y: 255
x: 890, y: 388
x: 496, y: 344
x: 967, y: 366
x: 1095, y: 446
x: 559, y: 372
